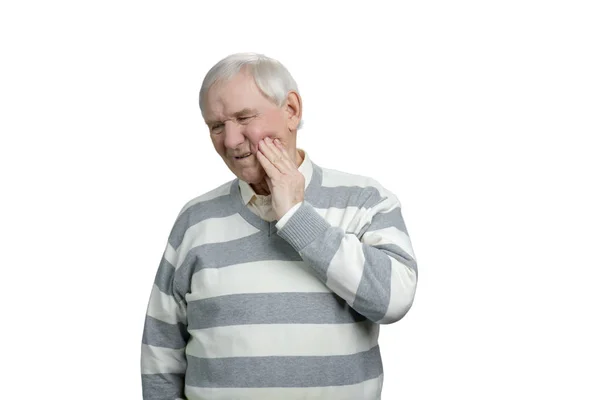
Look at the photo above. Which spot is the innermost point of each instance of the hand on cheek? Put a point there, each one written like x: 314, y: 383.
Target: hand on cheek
x: 285, y: 182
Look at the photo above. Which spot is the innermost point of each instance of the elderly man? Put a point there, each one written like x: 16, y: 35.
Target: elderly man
x: 273, y: 285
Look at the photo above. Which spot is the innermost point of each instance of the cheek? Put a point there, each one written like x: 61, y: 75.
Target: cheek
x: 257, y: 132
x: 218, y: 145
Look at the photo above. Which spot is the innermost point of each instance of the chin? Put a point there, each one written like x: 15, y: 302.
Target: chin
x: 253, y: 177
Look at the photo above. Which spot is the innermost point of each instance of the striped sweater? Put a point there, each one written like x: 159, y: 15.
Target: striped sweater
x: 245, y: 308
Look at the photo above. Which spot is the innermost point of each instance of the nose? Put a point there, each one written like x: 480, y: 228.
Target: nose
x: 234, y: 134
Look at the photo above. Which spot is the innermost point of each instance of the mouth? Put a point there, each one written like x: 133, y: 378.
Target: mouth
x: 243, y: 156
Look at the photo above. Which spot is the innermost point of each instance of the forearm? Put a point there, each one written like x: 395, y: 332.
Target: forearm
x: 376, y: 276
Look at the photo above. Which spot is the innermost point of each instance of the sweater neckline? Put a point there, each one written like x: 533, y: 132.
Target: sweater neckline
x: 255, y: 220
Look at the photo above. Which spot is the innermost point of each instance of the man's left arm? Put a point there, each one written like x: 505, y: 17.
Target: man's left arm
x: 374, y: 269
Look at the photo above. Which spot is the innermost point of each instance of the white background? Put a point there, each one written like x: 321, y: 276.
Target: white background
x: 481, y: 116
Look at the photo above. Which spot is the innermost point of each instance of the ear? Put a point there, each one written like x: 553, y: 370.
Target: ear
x: 293, y: 110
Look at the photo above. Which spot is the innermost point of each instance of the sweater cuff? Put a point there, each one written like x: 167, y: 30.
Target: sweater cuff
x: 303, y: 227
x: 283, y: 220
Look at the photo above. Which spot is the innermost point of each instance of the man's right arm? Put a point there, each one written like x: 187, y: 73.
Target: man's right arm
x: 163, y: 360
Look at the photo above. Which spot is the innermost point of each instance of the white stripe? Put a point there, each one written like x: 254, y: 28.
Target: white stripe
x: 346, y: 269
x: 345, y: 218
x: 222, y: 190
x: 255, y: 277
x: 334, y: 178
x: 164, y: 307
x: 159, y: 360
x: 218, y: 230
x: 389, y: 235
x: 283, y: 340
x: 367, y: 390
x: 403, y: 287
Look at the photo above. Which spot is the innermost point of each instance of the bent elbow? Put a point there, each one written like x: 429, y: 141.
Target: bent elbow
x: 402, y: 295
x: 395, y: 314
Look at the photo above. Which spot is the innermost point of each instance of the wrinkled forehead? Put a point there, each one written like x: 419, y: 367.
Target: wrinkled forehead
x: 227, y: 97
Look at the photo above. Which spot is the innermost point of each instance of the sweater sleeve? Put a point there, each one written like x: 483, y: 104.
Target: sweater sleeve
x: 373, y: 268
x: 163, y: 360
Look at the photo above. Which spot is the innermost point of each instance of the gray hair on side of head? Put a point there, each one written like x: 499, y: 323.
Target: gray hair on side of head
x: 271, y: 77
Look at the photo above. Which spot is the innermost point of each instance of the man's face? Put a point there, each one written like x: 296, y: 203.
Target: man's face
x: 238, y: 117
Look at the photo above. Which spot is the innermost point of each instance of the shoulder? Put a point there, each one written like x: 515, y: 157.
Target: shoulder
x: 213, y: 203
x: 334, y: 177
x: 214, y: 195
x: 363, y: 186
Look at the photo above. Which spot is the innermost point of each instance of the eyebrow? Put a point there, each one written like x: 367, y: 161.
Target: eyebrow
x: 236, y: 114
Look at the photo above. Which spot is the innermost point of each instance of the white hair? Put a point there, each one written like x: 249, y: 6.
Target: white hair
x: 271, y: 77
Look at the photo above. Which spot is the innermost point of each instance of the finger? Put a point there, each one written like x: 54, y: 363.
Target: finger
x: 278, y: 156
x: 271, y: 152
x: 286, y: 157
x: 268, y: 166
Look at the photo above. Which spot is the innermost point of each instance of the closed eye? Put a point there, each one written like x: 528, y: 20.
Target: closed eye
x: 246, y: 118
x: 216, y: 127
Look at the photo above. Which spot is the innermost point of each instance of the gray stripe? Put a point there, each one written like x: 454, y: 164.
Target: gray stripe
x: 162, y: 386
x: 385, y: 220
x: 218, y: 207
x: 247, y: 249
x: 270, y: 308
x: 164, y: 277
x: 344, y: 196
x: 300, y: 232
x: 396, y: 252
x: 339, y: 196
x: 274, y: 371
x: 173, y: 282
x: 162, y: 334
x: 183, y: 276
x: 304, y: 226
x: 373, y: 293
x: 320, y: 252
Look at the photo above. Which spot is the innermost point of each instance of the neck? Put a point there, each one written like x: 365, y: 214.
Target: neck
x: 262, y: 188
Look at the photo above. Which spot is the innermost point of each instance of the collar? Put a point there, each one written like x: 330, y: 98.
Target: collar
x: 306, y: 168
